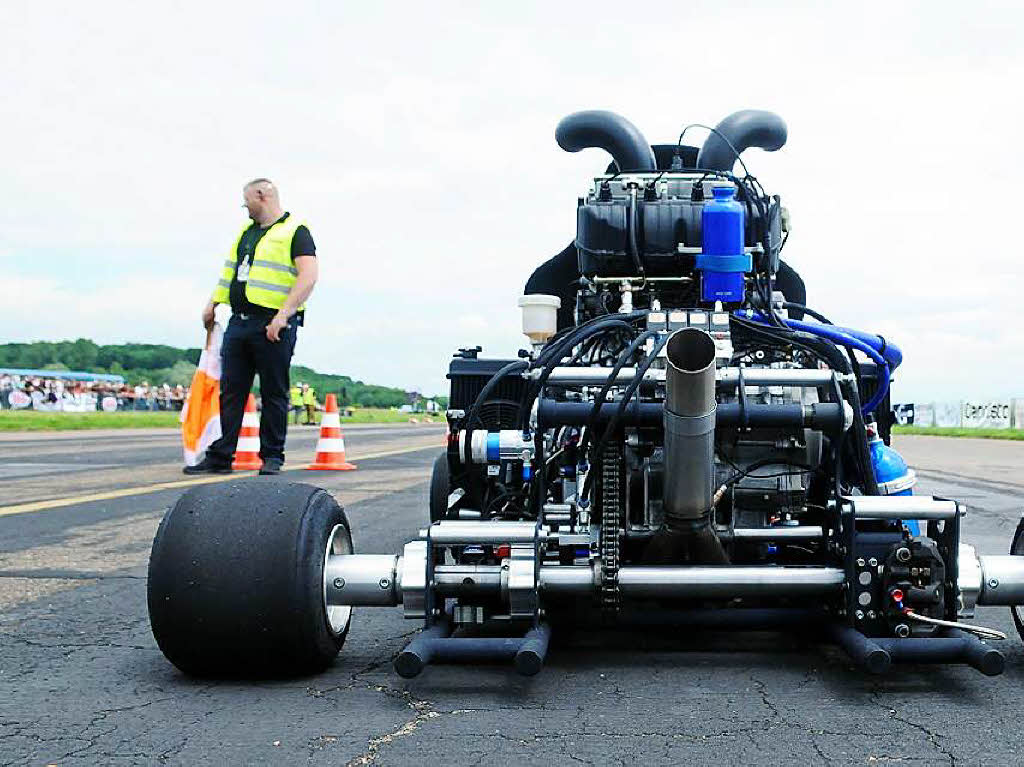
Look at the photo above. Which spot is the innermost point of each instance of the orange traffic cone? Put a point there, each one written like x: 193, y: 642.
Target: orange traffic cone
x: 247, y: 454
x: 330, y: 449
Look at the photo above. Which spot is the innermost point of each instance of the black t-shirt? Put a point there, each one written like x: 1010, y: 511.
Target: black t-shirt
x: 302, y: 245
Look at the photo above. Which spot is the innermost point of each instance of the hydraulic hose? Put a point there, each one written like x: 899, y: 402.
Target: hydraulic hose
x: 613, y: 423
x: 829, y: 353
x: 843, y: 337
x: 856, y: 340
x: 620, y: 363
x: 550, y: 358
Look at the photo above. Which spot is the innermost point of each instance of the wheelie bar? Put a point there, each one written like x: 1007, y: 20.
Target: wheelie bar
x: 436, y: 645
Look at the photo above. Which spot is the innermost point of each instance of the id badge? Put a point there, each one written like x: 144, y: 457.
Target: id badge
x: 243, y: 271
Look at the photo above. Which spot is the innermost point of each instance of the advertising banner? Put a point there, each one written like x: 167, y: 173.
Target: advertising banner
x: 993, y: 414
x: 924, y: 414
x: 903, y: 414
x: 947, y: 414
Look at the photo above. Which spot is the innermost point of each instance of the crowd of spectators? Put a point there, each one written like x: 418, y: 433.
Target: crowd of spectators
x: 56, y: 394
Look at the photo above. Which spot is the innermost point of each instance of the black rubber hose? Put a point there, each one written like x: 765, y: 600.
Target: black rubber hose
x: 613, y: 424
x: 620, y: 363
x: 610, y: 132
x: 808, y: 311
x: 607, y: 324
x: 737, y: 133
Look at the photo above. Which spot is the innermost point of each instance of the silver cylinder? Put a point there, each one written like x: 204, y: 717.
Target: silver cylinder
x: 699, y: 582
x: 362, y: 579
x: 793, y: 533
x: 1002, y: 580
x: 452, y: 532
x: 689, y: 425
x: 467, y: 580
x: 901, y: 507
x: 727, y: 377
x: 728, y: 582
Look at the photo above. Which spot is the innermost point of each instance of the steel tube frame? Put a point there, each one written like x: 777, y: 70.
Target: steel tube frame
x: 877, y: 654
x: 364, y: 574
x: 699, y: 582
x: 436, y: 645
x: 901, y: 507
x: 795, y: 533
x: 826, y: 416
x: 456, y: 532
x: 726, y: 377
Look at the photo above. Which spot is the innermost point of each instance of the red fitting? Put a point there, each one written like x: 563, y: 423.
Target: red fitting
x: 504, y: 551
x: 897, y: 595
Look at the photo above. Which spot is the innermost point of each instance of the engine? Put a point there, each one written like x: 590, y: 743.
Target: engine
x: 686, y: 420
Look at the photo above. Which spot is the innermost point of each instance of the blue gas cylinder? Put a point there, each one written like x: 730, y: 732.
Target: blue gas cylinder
x: 723, y: 260
x: 892, y: 474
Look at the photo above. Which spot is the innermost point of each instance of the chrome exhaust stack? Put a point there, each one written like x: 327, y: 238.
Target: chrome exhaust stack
x: 688, y: 534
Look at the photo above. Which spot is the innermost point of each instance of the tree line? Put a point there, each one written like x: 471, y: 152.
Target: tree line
x: 158, y: 364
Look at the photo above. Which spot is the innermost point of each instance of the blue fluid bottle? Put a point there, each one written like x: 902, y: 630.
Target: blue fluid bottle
x: 723, y: 260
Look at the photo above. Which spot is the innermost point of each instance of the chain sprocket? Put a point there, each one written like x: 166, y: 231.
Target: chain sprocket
x: 611, y: 526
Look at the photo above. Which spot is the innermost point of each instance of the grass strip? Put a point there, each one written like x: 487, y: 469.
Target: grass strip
x: 956, y: 431
x: 32, y: 420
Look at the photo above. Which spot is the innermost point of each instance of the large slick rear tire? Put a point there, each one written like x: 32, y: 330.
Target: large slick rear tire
x: 236, y: 580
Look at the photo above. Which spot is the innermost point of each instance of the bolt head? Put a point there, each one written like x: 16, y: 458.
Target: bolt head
x: 339, y: 583
x: 993, y: 583
x: 860, y: 615
x: 860, y: 562
x: 384, y: 583
x: 873, y: 562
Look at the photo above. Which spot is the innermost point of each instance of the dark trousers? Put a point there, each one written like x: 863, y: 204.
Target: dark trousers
x: 246, y: 352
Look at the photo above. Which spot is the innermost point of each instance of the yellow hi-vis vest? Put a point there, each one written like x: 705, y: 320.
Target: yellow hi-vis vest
x: 272, y: 275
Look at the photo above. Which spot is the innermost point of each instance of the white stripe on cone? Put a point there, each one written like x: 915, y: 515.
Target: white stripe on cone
x: 248, y: 445
x: 331, y: 419
x: 250, y: 419
x: 331, y: 445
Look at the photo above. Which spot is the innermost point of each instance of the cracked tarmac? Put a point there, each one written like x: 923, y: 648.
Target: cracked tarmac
x: 82, y: 682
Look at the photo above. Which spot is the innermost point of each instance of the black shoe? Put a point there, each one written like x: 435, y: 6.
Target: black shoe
x: 206, y: 466
x: 271, y: 466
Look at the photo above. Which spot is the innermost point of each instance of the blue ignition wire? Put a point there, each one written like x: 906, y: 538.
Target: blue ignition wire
x: 845, y: 337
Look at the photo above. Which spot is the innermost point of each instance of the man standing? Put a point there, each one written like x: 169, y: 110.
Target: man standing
x: 266, y: 279
x: 309, y: 400
x: 296, y: 401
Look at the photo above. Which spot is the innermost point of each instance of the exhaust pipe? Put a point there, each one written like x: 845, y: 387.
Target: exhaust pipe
x: 690, y: 406
x: 743, y: 129
x: 609, y: 131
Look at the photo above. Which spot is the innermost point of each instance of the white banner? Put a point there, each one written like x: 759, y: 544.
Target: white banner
x: 993, y: 414
x: 1018, y: 414
x: 924, y: 414
x: 947, y: 414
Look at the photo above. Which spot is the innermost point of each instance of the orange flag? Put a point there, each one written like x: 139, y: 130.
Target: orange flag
x: 200, y: 417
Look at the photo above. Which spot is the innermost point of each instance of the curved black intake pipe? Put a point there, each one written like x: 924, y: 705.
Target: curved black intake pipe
x: 609, y: 131
x: 743, y: 129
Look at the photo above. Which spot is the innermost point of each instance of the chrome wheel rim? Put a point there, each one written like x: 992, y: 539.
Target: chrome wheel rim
x: 338, y: 616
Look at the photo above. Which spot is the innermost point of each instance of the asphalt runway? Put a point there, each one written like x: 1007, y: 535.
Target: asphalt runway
x: 82, y: 681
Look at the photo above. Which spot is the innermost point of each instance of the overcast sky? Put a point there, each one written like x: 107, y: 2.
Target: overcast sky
x: 418, y: 141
